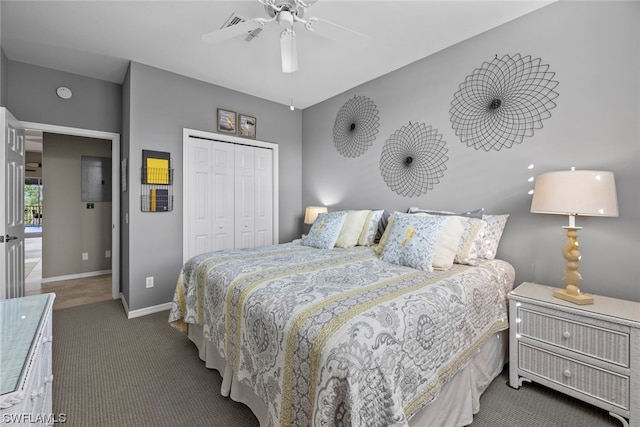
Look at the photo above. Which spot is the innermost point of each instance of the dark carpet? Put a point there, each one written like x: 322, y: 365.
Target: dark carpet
x: 111, y: 371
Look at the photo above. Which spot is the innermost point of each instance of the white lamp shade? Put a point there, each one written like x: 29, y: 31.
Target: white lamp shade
x: 575, y: 192
x: 312, y: 212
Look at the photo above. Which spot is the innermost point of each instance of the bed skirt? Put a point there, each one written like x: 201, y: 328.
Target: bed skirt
x: 455, y: 405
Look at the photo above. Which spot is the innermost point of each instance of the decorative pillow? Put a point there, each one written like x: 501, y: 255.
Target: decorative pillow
x: 449, y: 241
x: 351, y: 229
x: 325, y: 230
x: 385, y: 234
x: 412, y: 240
x: 470, y: 242
x: 477, y: 213
x: 492, y: 234
x: 382, y: 225
x: 370, y: 229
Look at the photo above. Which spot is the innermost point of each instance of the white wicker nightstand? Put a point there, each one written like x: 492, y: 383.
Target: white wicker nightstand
x: 590, y: 352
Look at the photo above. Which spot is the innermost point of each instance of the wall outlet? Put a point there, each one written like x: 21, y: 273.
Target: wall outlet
x: 107, y: 254
x: 149, y: 282
x: 85, y: 256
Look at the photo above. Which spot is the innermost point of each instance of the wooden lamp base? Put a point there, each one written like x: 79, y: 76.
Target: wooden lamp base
x: 581, y: 299
x: 572, y: 276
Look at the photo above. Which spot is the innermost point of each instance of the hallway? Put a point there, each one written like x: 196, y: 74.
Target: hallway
x: 69, y: 293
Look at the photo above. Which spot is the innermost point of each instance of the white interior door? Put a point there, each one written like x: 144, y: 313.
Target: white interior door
x: 209, y: 184
x: 263, y: 210
x: 224, y: 183
x: 12, y: 215
x: 244, y: 196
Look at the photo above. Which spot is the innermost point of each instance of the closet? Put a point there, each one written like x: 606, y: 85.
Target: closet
x: 230, y: 193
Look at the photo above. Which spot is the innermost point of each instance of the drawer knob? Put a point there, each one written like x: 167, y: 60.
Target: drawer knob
x: 566, y: 334
x: 567, y: 373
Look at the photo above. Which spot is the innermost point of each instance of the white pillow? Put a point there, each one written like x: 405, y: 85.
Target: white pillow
x: 448, y: 242
x: 470, y: 242
x: 370, y: 229
x: 492, y: 234
x: 351, y: 229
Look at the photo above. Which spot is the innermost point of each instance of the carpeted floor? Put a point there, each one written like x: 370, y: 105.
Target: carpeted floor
x: 110, y: 371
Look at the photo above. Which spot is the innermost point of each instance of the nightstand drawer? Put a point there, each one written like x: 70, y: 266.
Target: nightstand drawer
x: 600, y: 342
x: 607, y: 386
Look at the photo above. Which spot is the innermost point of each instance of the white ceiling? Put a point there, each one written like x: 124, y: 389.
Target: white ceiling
x: 98, y: 38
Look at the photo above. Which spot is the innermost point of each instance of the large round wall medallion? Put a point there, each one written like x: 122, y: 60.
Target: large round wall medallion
x: 502, y: 102
x: 413, y: 159
x: 356, y: 126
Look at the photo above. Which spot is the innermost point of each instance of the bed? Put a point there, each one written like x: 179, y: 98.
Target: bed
x: 307, y: 336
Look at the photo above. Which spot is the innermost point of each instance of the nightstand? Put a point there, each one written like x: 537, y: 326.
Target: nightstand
x: 590, y: 352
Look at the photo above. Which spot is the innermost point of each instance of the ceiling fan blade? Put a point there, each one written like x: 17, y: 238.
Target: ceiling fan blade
x: 337, y: 32
x: 233, y: 31
x: 288, y: 51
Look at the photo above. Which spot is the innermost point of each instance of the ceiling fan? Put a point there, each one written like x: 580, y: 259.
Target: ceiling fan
x: 287, y: 13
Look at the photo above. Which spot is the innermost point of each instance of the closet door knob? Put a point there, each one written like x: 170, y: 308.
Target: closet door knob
x: 566, y: 334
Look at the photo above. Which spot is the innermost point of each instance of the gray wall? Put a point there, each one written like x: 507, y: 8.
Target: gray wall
x: 95, y: 104
x: 3, y: 78
x: 69, y: 228
x: 160, y: 105
x: 3, y: 71
x: 594, y: 126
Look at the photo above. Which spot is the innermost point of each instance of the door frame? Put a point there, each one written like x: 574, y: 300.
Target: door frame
x: 115, y: 187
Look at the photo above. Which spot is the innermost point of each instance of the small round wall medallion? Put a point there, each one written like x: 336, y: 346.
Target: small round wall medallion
x: 64, y: 92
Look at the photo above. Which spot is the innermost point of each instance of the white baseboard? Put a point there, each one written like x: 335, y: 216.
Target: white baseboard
x: 75, y: 276
x: 124, y: 304
x: 144, y: 311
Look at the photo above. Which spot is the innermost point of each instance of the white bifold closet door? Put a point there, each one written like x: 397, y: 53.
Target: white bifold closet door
x: 229, y: 196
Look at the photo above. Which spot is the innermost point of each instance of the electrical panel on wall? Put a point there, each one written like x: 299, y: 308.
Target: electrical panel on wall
x: 96, y: 179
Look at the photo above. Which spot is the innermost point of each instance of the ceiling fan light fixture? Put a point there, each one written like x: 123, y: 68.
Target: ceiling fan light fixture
x: 288, y: 51
x: 287, y: 13
x: 285, y: 19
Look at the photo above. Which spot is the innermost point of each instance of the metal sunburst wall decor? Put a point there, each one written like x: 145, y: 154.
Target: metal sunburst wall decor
x: 356, y: 126
x: 413, y: 159
x: 502, y: 102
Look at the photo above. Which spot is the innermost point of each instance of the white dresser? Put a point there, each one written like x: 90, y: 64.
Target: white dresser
x: 25, y: 361
x: 590, y: 352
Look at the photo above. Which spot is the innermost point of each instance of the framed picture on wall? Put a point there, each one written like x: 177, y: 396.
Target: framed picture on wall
x: 247, y: 127
x: 226, y: 121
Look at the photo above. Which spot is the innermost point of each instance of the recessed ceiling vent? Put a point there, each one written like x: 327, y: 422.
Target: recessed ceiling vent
x: 236, y: 19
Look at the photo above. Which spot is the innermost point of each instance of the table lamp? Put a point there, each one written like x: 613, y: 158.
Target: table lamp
x: 312, y: 212
x: 574, y: 193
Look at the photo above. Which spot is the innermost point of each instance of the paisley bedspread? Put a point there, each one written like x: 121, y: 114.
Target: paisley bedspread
x: 338, y: 337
